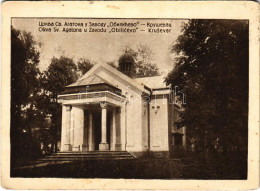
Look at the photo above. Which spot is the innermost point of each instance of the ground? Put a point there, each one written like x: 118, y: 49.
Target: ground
x: 195, y: 166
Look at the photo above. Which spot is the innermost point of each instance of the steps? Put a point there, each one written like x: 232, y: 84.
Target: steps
x: 88, y: 155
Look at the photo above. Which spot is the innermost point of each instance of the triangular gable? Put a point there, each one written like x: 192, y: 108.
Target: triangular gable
x: 105, y: 67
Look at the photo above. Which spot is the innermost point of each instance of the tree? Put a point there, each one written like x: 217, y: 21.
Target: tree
x: 24, y: 90
x: 24, y: 70
x: 60, y: 73
x: 212, y: 68
x: 84, y: 65
x: 144, y: 64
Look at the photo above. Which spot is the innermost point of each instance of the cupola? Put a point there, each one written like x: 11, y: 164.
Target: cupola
x: 127, y: 64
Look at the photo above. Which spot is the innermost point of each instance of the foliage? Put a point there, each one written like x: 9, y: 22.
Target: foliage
x: 84, y: 65
x: 25, y: 72
x: 61, y: 72
x: 24, y: 88
x: 143, y: 57
x: 212, y: 69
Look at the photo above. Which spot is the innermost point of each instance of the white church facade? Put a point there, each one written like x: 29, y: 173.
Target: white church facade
x: 108, y: 110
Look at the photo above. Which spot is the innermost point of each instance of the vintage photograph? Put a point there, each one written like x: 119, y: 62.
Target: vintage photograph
x: 122, y: 98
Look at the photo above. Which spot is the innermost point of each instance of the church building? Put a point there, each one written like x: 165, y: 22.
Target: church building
x: 111, y: 110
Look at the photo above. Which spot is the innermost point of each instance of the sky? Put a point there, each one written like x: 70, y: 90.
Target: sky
x: 101, y: 47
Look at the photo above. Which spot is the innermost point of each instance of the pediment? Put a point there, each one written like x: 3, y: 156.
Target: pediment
x: 104, y: 73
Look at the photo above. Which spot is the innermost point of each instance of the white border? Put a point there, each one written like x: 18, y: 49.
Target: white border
x: 161, y: 9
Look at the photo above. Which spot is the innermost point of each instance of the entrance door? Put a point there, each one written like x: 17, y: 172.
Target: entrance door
x: 97, y: 128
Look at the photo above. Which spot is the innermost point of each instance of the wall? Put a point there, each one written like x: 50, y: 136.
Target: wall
x: 134, y: 123
x: 145, y: 113
x: 159, y: 123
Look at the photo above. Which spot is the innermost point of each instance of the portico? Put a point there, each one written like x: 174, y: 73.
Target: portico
x: 93, y: 121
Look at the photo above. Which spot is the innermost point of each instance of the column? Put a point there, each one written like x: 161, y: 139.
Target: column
x: 113, y: 130
x: 78, y: 129
x: 123, y: 127
x: 118, y: 145
x: 103, y: 146
x: 65, y: 131
x: 72, y: 127
x: 184, y: 137
x: 90, y: 133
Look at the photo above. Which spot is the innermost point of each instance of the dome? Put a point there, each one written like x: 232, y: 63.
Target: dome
x: 127, y: 64
x: 126, y: 58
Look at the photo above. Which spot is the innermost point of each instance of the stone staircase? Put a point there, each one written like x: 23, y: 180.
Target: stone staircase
x: 87, y: 155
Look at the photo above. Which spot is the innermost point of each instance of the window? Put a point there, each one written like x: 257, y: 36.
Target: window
x: 177, y: 139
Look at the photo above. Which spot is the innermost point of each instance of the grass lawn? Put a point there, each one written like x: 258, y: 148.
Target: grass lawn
x: 199, y: 166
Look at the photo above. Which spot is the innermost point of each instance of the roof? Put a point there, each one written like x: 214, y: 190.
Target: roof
x: 96, y: 70
x: 90, y: 80
x: 155, y: 82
